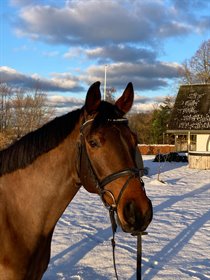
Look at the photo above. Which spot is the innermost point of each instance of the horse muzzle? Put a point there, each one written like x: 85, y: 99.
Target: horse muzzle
x: 134, y: 221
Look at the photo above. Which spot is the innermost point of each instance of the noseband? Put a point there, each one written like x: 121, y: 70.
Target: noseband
x: 130, y: 172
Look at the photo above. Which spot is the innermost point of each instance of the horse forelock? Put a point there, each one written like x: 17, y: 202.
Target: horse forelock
x: 106, y: 111
x: 24, y: 151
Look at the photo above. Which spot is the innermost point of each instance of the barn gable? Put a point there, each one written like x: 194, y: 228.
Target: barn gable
x: 190, y: 123
x: 192, y: 109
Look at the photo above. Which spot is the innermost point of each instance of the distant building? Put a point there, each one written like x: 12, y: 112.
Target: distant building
x: 190, y: 123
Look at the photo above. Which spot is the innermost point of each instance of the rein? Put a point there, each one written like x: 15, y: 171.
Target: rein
x: 100, y: 185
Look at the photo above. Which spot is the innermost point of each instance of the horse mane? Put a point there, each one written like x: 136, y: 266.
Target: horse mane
x: 24, y: 151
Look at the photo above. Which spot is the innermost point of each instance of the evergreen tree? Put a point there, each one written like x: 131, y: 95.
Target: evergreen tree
x: 160, y: 120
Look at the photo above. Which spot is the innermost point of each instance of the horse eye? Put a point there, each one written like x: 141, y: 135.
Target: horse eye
x: 93, y: 143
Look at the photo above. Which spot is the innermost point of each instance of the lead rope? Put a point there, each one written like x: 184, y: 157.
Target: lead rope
x: 139, y: 246
x: 139, y: 257
x: 112, y: 211
x: 114, y: 229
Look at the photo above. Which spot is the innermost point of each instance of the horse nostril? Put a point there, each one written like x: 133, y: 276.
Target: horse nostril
x: 136, y: 220
x: 131, y: 213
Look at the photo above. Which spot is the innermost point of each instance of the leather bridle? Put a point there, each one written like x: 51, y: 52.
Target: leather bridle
x: 100, y: 185
x: 130, y: 173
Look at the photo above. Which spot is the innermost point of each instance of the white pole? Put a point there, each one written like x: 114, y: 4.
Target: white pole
x: 105, y: 82
x: 188, y: 141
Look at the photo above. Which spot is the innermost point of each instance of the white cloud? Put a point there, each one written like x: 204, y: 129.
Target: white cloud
x: 143, y: 75
x: 95, y: 23
x: 74, y: 52
x: 64, y: 104
x: 126, y: 35
x: 64, y: 82
x: 8, y: 70
x: 59, y: 81
x: 120, y: 53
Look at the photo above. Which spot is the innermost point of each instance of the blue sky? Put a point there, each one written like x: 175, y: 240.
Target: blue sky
x: 65, y: 44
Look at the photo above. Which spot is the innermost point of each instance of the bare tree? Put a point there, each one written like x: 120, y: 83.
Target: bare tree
x: 5, y: 97
x: 5, y: 114
x: 110, y: 94
x: 141, y: 123
x: 197, y: 69
x: 30, y: 111
x: 21, y: 111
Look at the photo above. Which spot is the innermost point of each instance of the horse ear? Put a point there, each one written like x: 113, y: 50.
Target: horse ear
x: 93, y: 98
x: 125, y: 102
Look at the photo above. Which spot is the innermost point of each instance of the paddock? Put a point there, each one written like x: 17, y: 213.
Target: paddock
x: 177, y: 246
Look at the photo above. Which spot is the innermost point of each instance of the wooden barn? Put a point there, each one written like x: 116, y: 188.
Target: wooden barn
x: 190, y: 123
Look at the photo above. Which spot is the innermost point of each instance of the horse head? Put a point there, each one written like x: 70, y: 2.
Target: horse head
x: 108, y: 159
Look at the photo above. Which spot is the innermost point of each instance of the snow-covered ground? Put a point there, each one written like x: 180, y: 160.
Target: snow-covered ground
x: 177, y: 246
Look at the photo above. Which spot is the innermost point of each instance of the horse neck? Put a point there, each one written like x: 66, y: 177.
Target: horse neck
x: 47, y: 185
x: 63, y: 182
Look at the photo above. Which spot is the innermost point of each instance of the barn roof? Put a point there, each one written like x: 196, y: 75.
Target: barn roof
x: 192, y: 109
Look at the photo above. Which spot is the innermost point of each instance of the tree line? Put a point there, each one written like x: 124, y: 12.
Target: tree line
x: 22, y: 111
x: 151, y: 126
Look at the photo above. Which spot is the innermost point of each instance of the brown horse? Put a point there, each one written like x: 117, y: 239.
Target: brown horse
x: 41, y: 173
